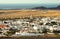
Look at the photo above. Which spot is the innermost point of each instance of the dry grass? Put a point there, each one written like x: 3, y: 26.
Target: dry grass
x: 27, y: 13
x: 30, y: 37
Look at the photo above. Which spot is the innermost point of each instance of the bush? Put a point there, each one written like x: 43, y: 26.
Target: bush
x: 11, y: 32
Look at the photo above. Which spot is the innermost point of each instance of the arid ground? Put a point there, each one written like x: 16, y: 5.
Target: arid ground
x: 30, y: 37
x: 26, y: 13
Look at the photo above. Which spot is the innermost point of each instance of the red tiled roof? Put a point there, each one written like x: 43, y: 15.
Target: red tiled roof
x: 3, y: 26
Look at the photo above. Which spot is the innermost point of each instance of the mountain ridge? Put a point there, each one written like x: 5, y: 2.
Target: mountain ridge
x: 43, y: 7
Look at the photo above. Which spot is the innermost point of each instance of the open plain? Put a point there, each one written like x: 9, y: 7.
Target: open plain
x: 27, y: 13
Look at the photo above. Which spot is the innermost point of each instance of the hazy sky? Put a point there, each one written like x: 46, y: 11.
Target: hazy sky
x: 29, y: 1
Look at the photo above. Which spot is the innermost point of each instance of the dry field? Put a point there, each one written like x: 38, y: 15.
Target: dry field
x: 30, y: 37
x: 26, y: 13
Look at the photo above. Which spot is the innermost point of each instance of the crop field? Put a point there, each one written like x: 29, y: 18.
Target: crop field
x: 26, y: 13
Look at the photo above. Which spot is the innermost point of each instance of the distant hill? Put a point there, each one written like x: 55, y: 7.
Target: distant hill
x: 42, y: 7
